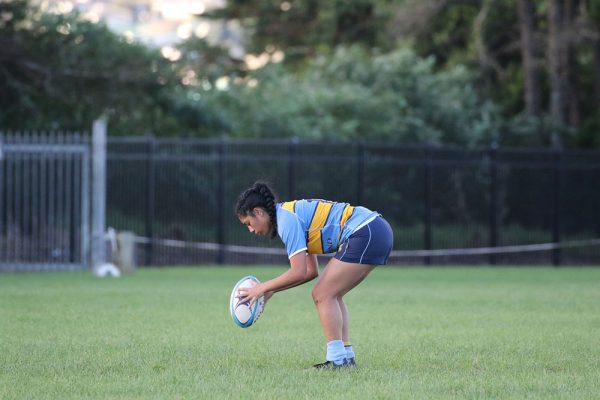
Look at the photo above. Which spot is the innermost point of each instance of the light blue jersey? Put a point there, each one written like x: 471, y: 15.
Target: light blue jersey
x: 318, y: 226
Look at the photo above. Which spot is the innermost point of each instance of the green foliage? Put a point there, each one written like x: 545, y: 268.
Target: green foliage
x: 406, y: 71
x: 303, y: 28
x: 480, y: 40
x: 594, y: 10
x: 588, y: 136
x: 485, y: 37
x: 355, y: 95
x: 60, y: 71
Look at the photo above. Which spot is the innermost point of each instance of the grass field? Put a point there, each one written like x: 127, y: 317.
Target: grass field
x: 422, y: 333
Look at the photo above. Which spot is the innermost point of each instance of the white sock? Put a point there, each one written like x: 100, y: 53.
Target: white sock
x: 336, y: 351
x: 349, y: 352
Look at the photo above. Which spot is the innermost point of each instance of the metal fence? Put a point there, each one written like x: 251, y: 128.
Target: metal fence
x: 434, y: 197
x: 178, y: 195
x: 44, y: 198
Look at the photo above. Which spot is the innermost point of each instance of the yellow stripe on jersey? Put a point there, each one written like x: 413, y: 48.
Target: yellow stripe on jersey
x: 289, y: 205
x: 315, y: 246
x: 347, y: 213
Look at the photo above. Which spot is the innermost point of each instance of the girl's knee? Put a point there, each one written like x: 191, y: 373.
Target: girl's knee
x: 319, y: 295
x: 316, y: 294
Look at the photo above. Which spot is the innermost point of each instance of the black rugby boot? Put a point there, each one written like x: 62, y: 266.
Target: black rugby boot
x: 332, y: 365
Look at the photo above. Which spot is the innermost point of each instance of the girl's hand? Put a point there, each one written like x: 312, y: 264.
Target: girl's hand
x: 252, y: 293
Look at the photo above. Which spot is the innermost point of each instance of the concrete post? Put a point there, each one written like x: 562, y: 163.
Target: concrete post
x: 98, y: 251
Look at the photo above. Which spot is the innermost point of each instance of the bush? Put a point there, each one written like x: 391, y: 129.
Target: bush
x: 351, y: 95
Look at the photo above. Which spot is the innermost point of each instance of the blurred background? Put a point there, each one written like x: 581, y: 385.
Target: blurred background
x: 522, y: 72
x: 466, y: 123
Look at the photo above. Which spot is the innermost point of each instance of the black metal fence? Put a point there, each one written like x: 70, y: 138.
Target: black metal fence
x: 44, y: 202
x: 434, y: 197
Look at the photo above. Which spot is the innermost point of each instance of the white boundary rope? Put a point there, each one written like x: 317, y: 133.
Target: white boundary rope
x: 394, y: 254
x: 523, y: 248
x: 210, y: 246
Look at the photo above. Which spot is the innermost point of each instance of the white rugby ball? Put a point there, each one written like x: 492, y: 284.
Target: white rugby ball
x: 242, y: 313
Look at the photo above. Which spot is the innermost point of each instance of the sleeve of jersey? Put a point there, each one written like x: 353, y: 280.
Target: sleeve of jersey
x: 291, y: 233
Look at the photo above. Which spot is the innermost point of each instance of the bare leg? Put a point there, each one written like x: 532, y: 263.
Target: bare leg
x: 338, y: 279
x: 345, y: 320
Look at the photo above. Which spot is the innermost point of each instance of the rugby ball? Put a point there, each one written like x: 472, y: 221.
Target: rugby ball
x: 242, y: 313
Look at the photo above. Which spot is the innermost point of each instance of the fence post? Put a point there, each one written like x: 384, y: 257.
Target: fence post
x: 493, y: 200
x: 99, y: 192
x: 428, y: 182
x: 150, y: 198
x: 292, y: 150
x: 360, y: 171
x: 221, y: 200
x: 85, y: 206
x: 73, y: 183
x: 2, y: 192
x: 556, y: 188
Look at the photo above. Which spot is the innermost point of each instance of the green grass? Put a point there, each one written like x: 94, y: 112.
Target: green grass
x: 422, y: 333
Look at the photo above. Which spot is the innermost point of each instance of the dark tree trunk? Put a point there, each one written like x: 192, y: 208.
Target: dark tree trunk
x: 556, y: 67
x: 570, y: 63
x: 597, y: 70
x: 530, y: 66
x: 592, y: 10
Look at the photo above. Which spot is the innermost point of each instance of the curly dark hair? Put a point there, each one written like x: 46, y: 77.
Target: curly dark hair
x: 258, y: 195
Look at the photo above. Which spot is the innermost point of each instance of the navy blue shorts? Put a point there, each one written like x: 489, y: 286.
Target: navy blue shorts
x: 370, y: 245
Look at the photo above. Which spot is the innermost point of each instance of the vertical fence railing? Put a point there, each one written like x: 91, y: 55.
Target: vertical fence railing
x: 493, y: 190
x: 3, y: 209
x: 221, y: 176
x: 360, y: 171
x: 556, y: 205
x: 44, y: 191
x: 150, y: 210
x: 428, y: 203
x: 292, y: 151
x: 85, y: 213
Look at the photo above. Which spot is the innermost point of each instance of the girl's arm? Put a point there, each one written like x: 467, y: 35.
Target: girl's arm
x: 312, y: 266
x: 303, y: 268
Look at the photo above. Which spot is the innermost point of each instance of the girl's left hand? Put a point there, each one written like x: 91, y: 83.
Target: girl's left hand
x: 253, y: 293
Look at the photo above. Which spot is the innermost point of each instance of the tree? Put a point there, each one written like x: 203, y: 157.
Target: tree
x: 573, y: 38
x: 303, y: 28
x: 562, y: 36
x: 59, y: 71
x: 508, y: 41
x: 62, y: 71
x: 354, y: 95
x: 527, y: 24
x: 593, y: 20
